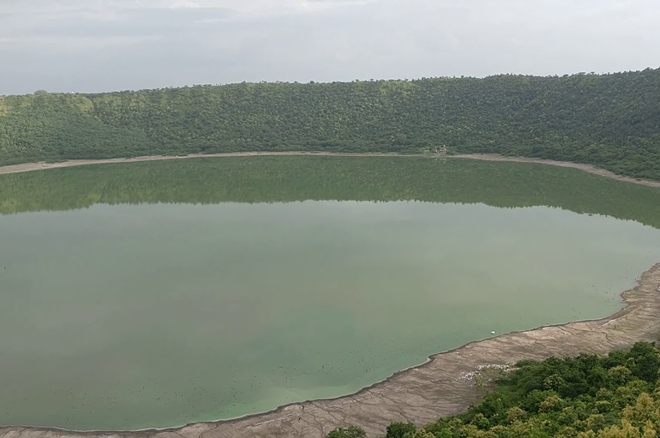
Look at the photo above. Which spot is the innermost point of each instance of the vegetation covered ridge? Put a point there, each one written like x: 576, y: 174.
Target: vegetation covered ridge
x: 611, y: 121
x: 589, y: 396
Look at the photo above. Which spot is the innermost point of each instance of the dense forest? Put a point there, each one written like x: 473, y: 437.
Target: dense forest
x: 611, y: 120
x: 292, y: 179
x: 584, y: 397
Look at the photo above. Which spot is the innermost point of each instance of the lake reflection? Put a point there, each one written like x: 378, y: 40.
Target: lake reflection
x: 157, y: 294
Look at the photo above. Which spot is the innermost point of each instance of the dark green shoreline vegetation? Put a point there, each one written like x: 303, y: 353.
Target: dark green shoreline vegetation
x: 617, y: 396
x: 292, y: 179
x: 612, y: 121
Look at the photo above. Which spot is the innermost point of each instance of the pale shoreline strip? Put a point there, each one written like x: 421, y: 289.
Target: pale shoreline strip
x: 436, y: 389
x: 31, y: 167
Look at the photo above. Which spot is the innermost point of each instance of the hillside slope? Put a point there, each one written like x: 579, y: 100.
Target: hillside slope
x: 612, y: 121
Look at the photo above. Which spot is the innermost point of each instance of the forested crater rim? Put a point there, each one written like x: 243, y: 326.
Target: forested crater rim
x: 606, y: 120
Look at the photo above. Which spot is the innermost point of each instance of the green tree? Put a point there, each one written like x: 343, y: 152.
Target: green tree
x: 350, y: 432
x: 398, y: 430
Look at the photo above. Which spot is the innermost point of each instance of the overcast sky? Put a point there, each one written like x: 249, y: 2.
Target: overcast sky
x: 101, y: 45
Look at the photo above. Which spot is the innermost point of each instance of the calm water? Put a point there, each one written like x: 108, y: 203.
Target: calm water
x: 192, y: 291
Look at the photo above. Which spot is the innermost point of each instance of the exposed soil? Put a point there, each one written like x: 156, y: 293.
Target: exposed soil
x: 584, y: 167
x: 29, y: 167
x: 441, y: 387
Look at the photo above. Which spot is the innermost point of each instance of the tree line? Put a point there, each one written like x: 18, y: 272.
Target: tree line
x: 610, y: 120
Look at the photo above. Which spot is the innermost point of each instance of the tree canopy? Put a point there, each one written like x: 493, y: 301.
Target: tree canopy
x: 611, y: 120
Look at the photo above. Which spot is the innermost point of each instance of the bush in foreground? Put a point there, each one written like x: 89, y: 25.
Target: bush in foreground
x: 351, y: 432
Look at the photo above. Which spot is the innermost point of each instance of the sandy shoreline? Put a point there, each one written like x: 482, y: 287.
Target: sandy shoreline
x: 31, y: 167
x: 425, y: 393
x: 583, y: 167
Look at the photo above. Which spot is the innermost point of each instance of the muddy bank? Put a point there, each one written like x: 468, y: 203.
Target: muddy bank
x: 436, y: 389
x: 31, y: 167
x: 583, y: 167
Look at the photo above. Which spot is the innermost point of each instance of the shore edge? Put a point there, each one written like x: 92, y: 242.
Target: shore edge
x: 32, y: 167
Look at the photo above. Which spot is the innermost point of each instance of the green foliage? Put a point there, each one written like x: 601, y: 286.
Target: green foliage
x: 400, y: 430
x: 351, y: 432
x: 583, y: 397
x: 609, y: 120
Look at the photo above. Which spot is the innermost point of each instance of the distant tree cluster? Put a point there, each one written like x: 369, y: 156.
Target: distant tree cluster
x: 584, y: 397
x: 612, y: 120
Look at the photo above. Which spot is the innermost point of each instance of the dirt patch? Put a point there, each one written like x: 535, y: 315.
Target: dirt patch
x: 439, y: 388
x: 583, y: 167
x: 30, y: 167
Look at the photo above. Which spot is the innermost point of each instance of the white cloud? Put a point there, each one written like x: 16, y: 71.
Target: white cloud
x: 87, y: 44
x: 184, y: 4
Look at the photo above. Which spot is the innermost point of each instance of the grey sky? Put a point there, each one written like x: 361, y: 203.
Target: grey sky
x: 100, y: 45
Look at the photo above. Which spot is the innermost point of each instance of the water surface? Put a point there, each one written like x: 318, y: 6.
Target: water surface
x: 157, y: 294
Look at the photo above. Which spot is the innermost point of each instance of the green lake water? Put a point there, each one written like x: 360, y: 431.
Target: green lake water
x: 158, y: 294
